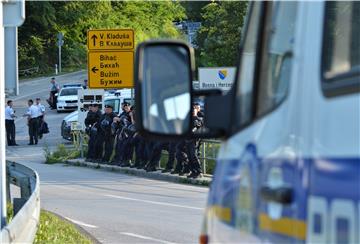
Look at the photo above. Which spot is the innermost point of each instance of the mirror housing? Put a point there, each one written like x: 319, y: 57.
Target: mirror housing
x: 150, y: 64
x: 163, y: 76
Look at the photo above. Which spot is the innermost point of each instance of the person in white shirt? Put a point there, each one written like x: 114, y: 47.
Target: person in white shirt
x: 10, y: 124
x: 41, y: 117
x: 33, y: 115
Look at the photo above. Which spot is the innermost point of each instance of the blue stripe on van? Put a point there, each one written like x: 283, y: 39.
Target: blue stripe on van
x: 331, y: 178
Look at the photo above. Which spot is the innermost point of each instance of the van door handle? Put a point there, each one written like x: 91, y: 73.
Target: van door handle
x: 282, y: 194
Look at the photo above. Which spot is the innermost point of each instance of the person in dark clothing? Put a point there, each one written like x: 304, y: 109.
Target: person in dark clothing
x: 92, y: 126
x: 155, y: 156
x: 105, y: 137
x: 171, y: 148
x: 149, y: 147
x: 127, y: 135
x: 181, y: 167
x: 197, y: 107
x: 120, y: 125
x: 138, y: 143
x: 194, y: 162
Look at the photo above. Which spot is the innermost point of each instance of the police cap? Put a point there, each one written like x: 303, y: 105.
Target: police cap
x: 109, y: 106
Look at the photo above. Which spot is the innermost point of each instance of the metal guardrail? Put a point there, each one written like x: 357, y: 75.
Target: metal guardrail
x: 22, y: 228
x: 29, y: 71
x: 208, y: 152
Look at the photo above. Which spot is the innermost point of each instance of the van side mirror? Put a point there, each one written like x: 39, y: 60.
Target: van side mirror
x: 163, y: 85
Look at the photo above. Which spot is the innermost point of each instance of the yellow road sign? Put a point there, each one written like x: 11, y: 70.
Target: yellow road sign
x: 121, y: 39
x: 110, y: 69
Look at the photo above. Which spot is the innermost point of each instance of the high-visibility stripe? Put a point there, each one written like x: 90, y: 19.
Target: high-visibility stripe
x: 222, y: 213
x: 285, y: 226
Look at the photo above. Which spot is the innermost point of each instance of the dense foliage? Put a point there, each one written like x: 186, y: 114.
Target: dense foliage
x: 217, y: 40
x: 219, y: 37
x: 45, y: 19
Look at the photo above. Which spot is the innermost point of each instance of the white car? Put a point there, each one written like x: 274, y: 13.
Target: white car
x: 67, y: 99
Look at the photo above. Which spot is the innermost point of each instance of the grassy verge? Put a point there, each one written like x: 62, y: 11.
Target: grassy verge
x: 53, y: 229
x: 60, y: 155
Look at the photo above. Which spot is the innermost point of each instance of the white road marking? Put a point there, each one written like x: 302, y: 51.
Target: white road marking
x: 146, y: 237
x: 153, y: 202
x: 81, y: 223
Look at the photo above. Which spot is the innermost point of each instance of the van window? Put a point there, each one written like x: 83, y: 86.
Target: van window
x: 264, y: 73
x: 277, y: 56
x: 246, y: 72
x: 129, y: 100
x: 341, y: 45
x: 115, y: 103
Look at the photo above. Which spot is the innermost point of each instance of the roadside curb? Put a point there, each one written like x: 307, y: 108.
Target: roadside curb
x: 203, y: 181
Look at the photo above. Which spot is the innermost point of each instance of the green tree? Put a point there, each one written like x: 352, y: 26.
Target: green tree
x: 45, y: 19
x: 193, y: 9
x: 219, y: 36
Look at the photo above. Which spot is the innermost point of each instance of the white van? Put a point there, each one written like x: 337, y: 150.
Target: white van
x: 289, y: 166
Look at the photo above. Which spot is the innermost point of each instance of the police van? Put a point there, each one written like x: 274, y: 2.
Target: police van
x: 289, y: 165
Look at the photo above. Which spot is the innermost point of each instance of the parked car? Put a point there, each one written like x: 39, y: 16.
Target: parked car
x: 66, y: 125
x: 67, y: 98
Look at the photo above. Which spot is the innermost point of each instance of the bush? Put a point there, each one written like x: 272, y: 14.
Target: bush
x: 60, y: 155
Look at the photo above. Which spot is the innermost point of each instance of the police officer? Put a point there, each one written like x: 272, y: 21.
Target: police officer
x: 182, y: 161
x: 33, y: 114
x: 194, y: 162
x: 155, y: 157
x: 105, y: 136
x: 10, y: 124
x: 42, y: 114
x: 54, y: 88
x: 119, y: 126
x: 197, y: 107
x: 92, y: 125
x: 171, y: 148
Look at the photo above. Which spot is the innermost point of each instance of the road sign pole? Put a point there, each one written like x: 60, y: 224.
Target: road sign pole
x: 59, y: 58
x: 2, y: 124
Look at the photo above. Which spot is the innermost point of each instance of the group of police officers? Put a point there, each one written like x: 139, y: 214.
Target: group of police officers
x: 109, y: 132
x: 35, y: 121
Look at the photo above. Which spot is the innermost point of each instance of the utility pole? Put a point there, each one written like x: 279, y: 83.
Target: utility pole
x: 60, y: 42
x: 12, y: 14
x: 2, y: 123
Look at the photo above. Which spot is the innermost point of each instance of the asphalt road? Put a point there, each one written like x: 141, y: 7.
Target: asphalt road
x: 114, y: 208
